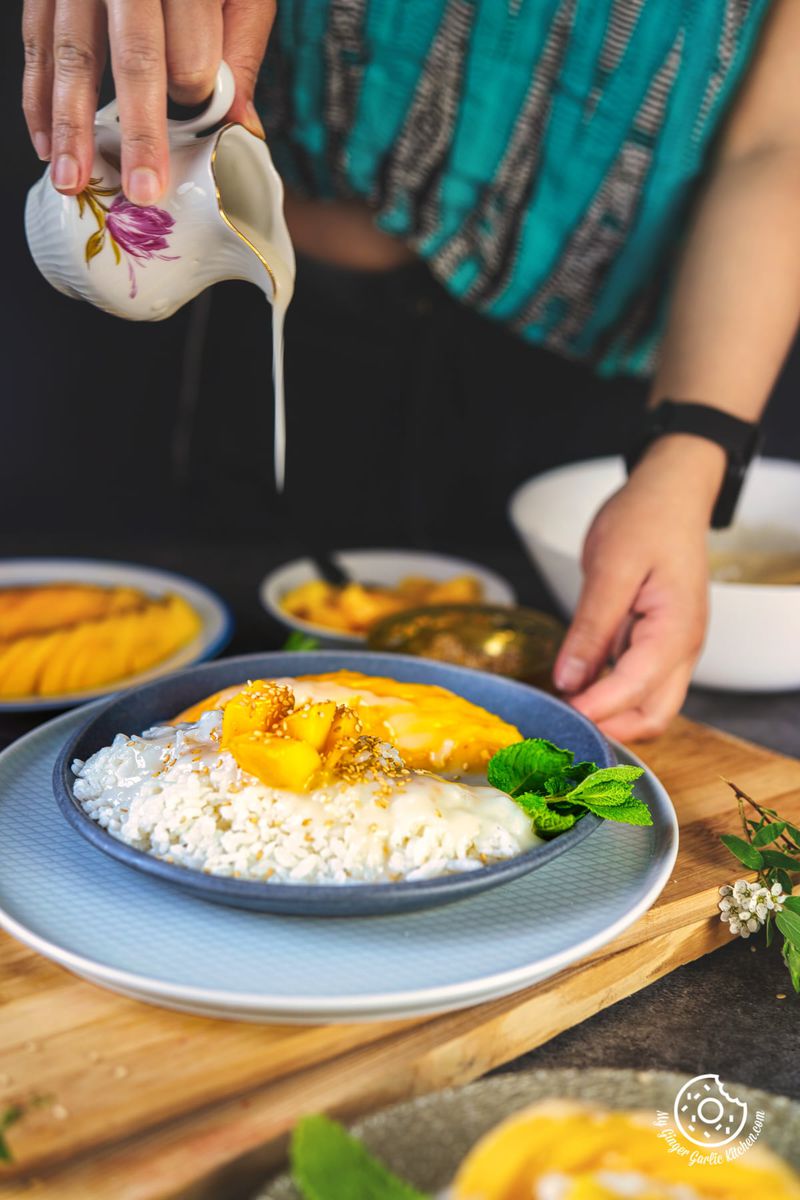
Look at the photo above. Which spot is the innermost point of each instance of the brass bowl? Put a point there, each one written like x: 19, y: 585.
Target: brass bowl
x: 520, y: 643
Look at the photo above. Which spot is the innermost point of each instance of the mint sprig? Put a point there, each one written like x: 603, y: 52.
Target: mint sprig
x: 328, y: 1164
x: 555, y: 791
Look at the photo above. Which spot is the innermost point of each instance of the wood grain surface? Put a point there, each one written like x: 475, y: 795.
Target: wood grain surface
x: 132, y: 1102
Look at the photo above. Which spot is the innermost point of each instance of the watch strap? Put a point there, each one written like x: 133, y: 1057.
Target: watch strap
x: 739, y: 439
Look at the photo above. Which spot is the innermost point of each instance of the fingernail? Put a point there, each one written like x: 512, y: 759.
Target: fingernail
x: 144, y: 186
x: 65, y: 172
x: 253, y: 121
x: 570, y: 674
x: 41, y: 142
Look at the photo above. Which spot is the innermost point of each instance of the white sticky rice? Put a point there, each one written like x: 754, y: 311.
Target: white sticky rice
x: 174, y: 793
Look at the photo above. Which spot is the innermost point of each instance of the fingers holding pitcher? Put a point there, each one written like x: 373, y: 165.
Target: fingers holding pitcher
x: 78, y: 61
x: 248, y: 24
x: 37, y: 80
x: 138, y: 63
x: 194, y: 48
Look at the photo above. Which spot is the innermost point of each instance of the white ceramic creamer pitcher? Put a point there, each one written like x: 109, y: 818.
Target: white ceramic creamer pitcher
x: 220, y: 218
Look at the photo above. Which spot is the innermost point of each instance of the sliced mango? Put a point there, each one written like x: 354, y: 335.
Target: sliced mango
x: 126, y: 632
x: 580, y: 1145
x: 278, y: 761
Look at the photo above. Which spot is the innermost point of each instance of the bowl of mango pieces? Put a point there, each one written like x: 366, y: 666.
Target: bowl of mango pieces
x: 568, y: 1134
x: 381, y: 584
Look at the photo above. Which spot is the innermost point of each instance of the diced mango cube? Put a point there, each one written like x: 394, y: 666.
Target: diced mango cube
x: 256, y: 708
x: 311, y: 723
x: 346, y: 724
x: 280, y: 762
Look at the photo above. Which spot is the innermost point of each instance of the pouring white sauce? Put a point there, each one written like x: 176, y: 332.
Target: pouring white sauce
x: 251, y: 202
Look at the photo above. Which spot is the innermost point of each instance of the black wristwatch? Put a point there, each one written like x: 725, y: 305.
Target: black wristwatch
x: 739, y: 439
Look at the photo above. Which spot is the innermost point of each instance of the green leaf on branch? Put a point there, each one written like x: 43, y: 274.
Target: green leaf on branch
x: 792, y: 903
x: 789, y: 925
x: 742, y: 850
x: 768, y: 833
x: 781, y: 877
x: 777, y: 858
x: 791, y: 956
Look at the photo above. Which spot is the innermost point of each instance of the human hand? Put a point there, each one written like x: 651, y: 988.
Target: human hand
x: 644, y: 598
x: 156, y: 46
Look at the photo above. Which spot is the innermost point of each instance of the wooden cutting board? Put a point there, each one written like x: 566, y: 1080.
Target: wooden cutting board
x: 139, y: 1103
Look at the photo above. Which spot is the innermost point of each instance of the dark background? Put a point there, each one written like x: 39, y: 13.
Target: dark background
x: 99, y: 441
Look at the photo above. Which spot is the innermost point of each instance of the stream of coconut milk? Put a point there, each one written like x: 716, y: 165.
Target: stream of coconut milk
x: 283, y: 280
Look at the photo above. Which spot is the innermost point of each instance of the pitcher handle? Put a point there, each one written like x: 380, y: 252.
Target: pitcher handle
x: 220, y: 101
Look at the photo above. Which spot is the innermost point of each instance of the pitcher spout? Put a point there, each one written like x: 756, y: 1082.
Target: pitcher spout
x: 249, y: 196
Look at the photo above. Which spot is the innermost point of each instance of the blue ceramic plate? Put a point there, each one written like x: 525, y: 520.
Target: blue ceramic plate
x: 124, y: 930
x: 535, y: 713
x: 216, y: 623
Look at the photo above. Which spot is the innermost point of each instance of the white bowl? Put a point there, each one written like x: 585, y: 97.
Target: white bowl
x: 753, y: 639
x: 385, y: 567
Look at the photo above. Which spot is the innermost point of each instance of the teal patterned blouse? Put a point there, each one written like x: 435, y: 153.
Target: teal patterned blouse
x: 539, y: 155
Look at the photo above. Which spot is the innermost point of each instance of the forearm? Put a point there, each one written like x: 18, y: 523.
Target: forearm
x: 736, y: 301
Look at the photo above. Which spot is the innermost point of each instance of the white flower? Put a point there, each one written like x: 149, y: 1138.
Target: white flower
x: 746, y: 907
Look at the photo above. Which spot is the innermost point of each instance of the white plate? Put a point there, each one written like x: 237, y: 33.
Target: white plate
x: 215, y: 631
x: 139, y: 936
x: 386, y: 567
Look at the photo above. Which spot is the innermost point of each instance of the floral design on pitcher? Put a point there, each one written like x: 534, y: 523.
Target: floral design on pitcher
x: 141, y: 234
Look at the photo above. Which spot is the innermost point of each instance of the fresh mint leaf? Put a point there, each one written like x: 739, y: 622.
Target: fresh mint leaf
x: 789, y: 925
x: 634, y: 812
x: 608, y: 792
x: 532, y: 804
x: 543, y: 779
x: 551, y: 823
x: 619, y: 774
x: 8, y: 1117
x: 768, y: 833
x: 526, y: 766
x: 742, y: 850
x: 301, y: 641
x: 329, y: 1164
x: 567, y: 781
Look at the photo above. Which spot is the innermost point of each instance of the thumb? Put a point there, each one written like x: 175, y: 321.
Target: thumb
x: 608, y: 594
x: 247, y: 26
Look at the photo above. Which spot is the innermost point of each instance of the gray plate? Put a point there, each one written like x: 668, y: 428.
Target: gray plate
x: 425, y: 1140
